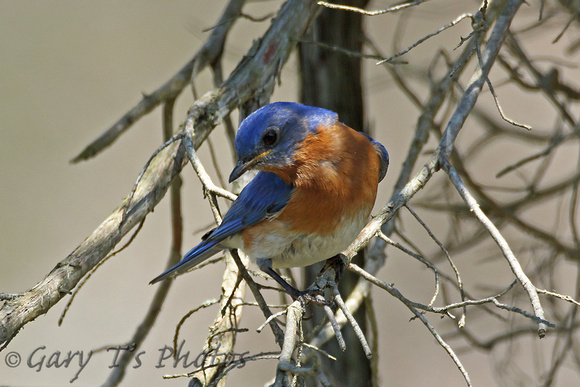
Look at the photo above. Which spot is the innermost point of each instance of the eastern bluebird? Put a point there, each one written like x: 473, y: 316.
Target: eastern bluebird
x: 313, y: 195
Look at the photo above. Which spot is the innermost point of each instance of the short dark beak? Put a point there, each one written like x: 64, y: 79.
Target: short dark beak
x: 245, y: 165
x: 240, y: 168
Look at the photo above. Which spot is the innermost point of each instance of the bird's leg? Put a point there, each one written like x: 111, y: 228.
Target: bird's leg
x: 265, y: 265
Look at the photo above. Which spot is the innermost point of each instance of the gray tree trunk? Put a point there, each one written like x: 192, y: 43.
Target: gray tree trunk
x: 334, y: 81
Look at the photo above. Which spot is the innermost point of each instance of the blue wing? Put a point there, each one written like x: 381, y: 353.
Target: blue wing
x: 265, y: 195
x: 383, y: 155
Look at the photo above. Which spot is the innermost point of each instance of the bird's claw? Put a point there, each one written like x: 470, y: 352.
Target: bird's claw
x: 314, y: 296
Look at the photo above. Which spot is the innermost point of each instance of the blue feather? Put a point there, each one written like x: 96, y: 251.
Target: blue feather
x: 383, y: 155
x: 292, y: 121
x: 269, y: 137
x: 247, y: 210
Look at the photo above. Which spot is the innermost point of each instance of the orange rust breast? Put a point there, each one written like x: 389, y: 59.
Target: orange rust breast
x: 336, y: 174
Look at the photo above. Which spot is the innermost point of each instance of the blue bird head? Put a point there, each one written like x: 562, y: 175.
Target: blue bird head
x: 269, y: 137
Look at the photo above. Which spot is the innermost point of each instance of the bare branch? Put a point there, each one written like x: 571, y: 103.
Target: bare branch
x: 502, y: 244
x: 209, y: 52
x: 418, y: 257
x: 488, y: 55
x: 558, y: 295
x: 255, y: 74
x: 223, y: 332
x: 455, y: 270
x: 423, y: 39
x: 413, y: 307
x: 358, y: 332
x: 501, y: 113
x: 371, y: 13
x: 294, y: 314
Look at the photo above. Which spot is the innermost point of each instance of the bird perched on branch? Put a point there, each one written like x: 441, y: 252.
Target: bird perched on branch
x: 313, y: 195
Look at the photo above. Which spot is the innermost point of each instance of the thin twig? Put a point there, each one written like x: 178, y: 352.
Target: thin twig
x: 413, y: 307
x: 211, y: 50
x: 342, y: 50
x: 205, y: 304
x: 568, y: 24
x: 502, y: 244
x: 118, y: 373
x: 214, y: 162
x: 374, y: 328
x: 461, y: 322
x: 418, y: 42
x: 496, y: 100
x: 294, y: 314
x: 326, y: 354
x: 208, y: 185
x: 557, y: 140
x: 86, y: 278
x: 357, y: 330
x: 278, y: 334
x: 371, y: 13
x: 444, y: 309
x: 541, y: 80
x: 335, y: 327
x: 418, y: 257
x: 270, y: 318
x: 558, y: 295
x: 232, y: 364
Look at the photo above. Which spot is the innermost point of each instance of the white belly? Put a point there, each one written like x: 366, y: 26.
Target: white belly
x: 288, y: 249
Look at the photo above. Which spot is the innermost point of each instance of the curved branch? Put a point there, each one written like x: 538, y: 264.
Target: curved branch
x: 258, y: 68
x: 209, y: 53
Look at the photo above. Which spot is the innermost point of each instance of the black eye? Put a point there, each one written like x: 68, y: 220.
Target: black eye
x: 270, y: 137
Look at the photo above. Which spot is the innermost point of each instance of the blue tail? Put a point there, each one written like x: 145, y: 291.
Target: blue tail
x: 193, y: 258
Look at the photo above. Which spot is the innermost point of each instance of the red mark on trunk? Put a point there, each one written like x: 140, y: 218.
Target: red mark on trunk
x: 270, y: 52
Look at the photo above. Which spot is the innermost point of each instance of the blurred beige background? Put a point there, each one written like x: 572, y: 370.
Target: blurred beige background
x: 70, y: 69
